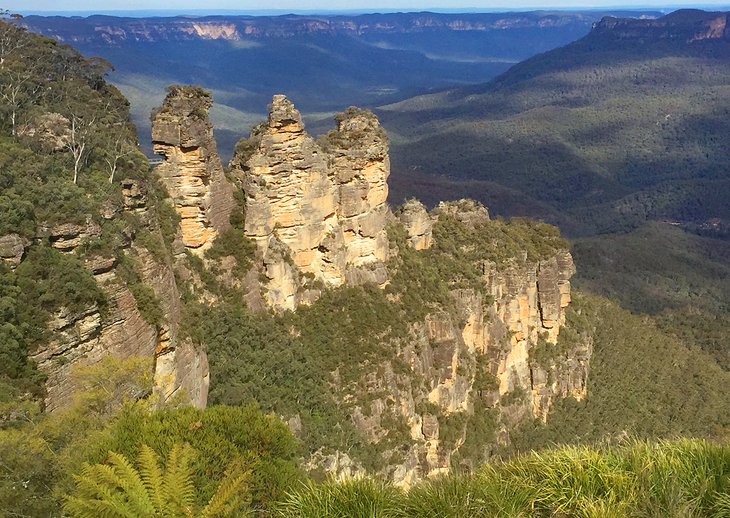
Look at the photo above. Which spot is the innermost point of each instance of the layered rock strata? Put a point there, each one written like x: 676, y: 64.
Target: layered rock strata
x: 417, y: 223
x: 192, y: 170
x: 86, y: 336
x: 12, y: 249
x: 492, y: 347
x: 316, y: 212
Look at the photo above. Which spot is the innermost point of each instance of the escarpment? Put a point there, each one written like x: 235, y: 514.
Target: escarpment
x: 192, y: 170
x: 480, y: 362
x: 478, y: 305
x: 141, y: 315
x: 431, y: 334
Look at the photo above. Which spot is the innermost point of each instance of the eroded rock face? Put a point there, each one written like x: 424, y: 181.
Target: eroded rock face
x: 192, y: 170
x: 86, y: 336
x: 67, y: 236
x: 418, y: 224
x: 12, y: 249
x: 359, y: 147
x: 493, y: 347
x: 324, y: 208
x: 467, y: 211
x: 290, y: 194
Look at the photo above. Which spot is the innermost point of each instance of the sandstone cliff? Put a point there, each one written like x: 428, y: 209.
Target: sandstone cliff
x: 474, y: 355
x: 475, y: 366
x: 122, y: 329
x: 192, y: 170
x: 315, y: 212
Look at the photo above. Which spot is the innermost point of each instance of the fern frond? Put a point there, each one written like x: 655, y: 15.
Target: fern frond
x: 130, y: 482
x: 149, y: 470
x: 91, y: 508
x: 106, y: 504
x: 177, y: 486
x: 230, y: 494
x: 88, y: 485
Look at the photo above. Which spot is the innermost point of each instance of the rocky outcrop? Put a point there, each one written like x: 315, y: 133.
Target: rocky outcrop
x: 192, y: 170
x: 467, y: 211
x: 290, y: 194
x: 359, y: 151
x: 315, y: 212
x: 493, y: 351
x: 684, y: 26
x: 84, y: 337
x: 418, y: 224
x: 12, y: 249
x: 67, y: 236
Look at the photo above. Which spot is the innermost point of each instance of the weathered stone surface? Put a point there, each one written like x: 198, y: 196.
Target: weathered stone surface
x: 465, y: 210
x: 134, y: 195
x: 51, y: 131
x: 182, y: 372
x: 359, y: 147
x: 192, y: 170
x: 67, y: 236
x: 326, y: 206
x: 12, y: 249
x: 418, y: 224
x: 482, y: 350
x: 86, y: 336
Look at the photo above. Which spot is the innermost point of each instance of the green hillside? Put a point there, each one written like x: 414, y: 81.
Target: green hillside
x: 624, y: 125
x: 619, y: 138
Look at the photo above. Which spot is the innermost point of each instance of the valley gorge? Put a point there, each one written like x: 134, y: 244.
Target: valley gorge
x: 316, y: 217
x: 276, y: 320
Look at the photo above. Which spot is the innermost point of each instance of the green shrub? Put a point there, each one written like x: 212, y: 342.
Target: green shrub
x: 220, y: 435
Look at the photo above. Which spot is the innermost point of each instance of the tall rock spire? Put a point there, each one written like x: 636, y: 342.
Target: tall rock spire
x: 192, y: 170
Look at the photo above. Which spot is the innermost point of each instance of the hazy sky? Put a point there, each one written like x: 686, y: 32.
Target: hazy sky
x: 197, y: 5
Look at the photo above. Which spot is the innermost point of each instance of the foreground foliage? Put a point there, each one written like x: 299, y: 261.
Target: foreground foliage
x: 118, y: 489
x: 668, y: 478
x: 42, y: 456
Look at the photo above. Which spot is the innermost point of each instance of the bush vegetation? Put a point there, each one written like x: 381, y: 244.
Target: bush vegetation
x: 668, y: 478
x: 114, y: 410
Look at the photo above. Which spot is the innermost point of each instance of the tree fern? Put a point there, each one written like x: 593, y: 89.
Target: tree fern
x: 119, y: 490
x: 177, y: 483
x: 129, y: 481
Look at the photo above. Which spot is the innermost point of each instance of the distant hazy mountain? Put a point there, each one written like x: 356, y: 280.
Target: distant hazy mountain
x: 324, y: 63
x: 627, y: 124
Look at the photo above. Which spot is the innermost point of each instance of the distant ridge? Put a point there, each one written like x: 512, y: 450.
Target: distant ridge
x: 625, y: 125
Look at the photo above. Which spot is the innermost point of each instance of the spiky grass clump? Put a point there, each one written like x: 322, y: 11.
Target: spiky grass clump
x: 684, y: 478
x: 356, y: 497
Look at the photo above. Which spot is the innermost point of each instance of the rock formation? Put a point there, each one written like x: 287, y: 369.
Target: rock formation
x: 84, y: 337
x: 359, y: 151
x: 314, y: 211
x: 417, y: 223
x: 192, y: 170
x: 12, y: 249
x: 317, y: 214
x: 493, y: 347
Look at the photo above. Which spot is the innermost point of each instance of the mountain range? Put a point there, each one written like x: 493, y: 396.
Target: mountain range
x: 620, y: 126
x: 324, y: 63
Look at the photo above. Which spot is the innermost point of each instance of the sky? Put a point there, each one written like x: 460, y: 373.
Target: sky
x: 196, y: 6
